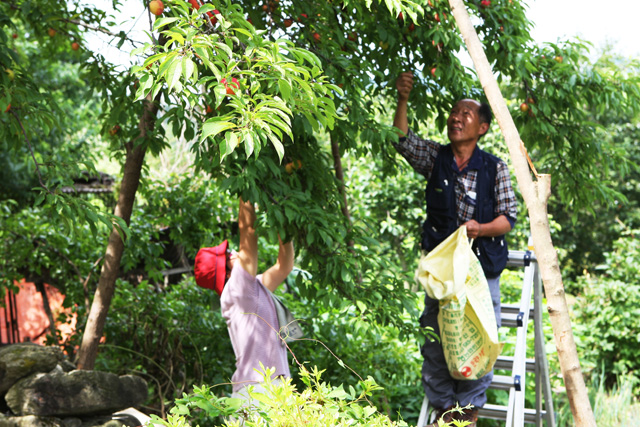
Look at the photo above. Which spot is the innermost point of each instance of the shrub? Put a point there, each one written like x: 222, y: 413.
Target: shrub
x: 173, y: 338
x: 607, y: 314
x: 615, y: 406
x: 317, y: 404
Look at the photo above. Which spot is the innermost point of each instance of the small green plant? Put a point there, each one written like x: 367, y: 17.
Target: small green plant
x: 318, y: 404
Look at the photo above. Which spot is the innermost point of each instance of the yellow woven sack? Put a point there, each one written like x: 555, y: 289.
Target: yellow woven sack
x: 452, y: 274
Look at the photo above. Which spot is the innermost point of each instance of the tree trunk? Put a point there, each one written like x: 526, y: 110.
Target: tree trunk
x: 115, y: 247
x: 337, y: 164
x: 535, y: 195
x: 40, y: 287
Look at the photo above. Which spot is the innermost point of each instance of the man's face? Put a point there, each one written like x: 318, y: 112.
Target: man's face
x: 463, y: 124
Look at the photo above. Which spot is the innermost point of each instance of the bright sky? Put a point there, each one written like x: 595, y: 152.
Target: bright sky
x: 597, y: 21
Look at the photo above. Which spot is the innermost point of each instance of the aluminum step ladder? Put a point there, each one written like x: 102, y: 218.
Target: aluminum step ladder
x: 518, y: 316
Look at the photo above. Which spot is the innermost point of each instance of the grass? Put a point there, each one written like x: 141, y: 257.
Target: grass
x: 615, y: 407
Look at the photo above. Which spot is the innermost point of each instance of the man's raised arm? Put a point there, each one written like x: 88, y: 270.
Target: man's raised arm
x: 404, y: 84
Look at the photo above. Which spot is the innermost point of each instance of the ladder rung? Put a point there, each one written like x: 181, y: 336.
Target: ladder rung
x: 502, y: 382
x: 511, y: 315
x: 498, y: 412
x: 513, y: 309
x: 520, y: 258
x: 506, y: 363
x: 511, y: 320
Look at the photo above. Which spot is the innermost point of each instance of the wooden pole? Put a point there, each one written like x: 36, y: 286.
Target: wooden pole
x: 535, y: 194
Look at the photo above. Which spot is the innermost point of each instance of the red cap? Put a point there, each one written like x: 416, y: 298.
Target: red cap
x: 210, y: 267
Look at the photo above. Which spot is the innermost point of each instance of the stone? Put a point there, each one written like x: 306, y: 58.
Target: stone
x: 112, y: 421
x: 31, y: 421
x: 18, y: 361
x: 35, y: 421
x: 78, y: 393
x: 72, y: 422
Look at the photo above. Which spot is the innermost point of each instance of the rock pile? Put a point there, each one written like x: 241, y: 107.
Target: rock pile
x: 40, y: 387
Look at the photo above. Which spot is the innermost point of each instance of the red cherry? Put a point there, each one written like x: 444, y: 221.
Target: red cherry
x: 229, y: 86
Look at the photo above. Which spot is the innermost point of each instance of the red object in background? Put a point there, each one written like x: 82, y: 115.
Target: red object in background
x: 23, y: 317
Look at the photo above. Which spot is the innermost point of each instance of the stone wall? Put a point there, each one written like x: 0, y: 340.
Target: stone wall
x: 40, y: 387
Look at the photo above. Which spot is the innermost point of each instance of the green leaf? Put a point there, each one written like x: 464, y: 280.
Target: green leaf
x: 220, y: 93
x: 176, y: 35
x: 234, y: 403
x: 242, y: 31
x: 212, y: 127
x: 231, y: 139
x: 338, y: 393
x: 226, y: 49
x: 161, y: 22
x: 345, y: 274
x: 153, y: 58
x: 174, y: 73
x: 166, y: 64
x: 277, y: 144
x: 285, y: 88
x: 146, y: 83
x: 188, y: 68
x: 249, y: 144
x: 369, y: 411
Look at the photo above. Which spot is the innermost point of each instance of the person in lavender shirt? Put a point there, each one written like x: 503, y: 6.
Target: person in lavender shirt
x: 246, y: 303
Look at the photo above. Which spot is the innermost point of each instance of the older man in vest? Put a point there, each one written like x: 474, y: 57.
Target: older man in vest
x: 465, y: 186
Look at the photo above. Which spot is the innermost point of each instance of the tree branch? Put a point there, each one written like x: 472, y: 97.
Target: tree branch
x: 33, y: 156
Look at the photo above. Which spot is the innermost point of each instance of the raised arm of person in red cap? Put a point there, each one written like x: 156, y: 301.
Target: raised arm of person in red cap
x: 248, y: 250
x: 274, y: 276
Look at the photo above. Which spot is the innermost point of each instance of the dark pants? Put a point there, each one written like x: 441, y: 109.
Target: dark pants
x: 442, y: 390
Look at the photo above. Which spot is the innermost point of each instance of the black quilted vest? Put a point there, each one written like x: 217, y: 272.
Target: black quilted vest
x: 441, y: 209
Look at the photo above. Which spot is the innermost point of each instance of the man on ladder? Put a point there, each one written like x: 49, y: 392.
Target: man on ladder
x: 466, y: 186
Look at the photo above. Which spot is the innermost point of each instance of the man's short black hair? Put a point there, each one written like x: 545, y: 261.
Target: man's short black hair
x: 485, y: 113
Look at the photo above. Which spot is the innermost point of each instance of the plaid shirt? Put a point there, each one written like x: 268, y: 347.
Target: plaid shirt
x: 421, y: 155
